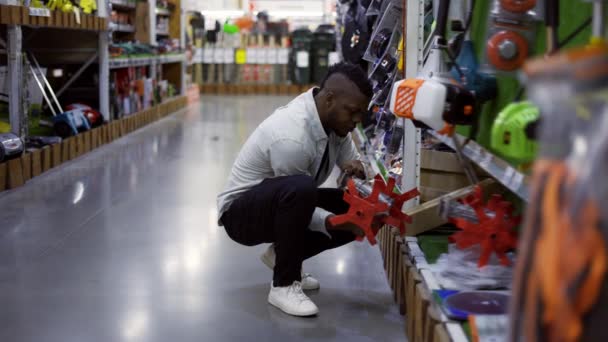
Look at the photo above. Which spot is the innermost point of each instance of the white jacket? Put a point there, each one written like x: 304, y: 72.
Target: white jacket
x: 289, y: 142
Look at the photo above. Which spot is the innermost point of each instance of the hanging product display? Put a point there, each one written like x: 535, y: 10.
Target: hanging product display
x: 356, y: 34
x: 511, y: 134
x: 435, y: 99
x: 383, y: 32
x: 509, y: 39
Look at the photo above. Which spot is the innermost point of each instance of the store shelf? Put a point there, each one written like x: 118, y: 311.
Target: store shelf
x: 163, y: 11
x: 127, y: 62
x: 162, y: 33
x: 117, y: 63
x: 499, y: 169
x: 122, y: 28
x: 123, y: 4
x: 173, y: 58
x: 42, y: 18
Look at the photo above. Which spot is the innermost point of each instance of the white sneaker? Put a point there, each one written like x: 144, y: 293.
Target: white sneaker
x: 291, y: 300
x: 308, y: 282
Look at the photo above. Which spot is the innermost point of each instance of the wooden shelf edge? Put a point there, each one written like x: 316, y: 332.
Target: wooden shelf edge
x: 19, y: 15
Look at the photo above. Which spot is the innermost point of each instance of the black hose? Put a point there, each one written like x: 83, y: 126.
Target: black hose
x: 442, y: 18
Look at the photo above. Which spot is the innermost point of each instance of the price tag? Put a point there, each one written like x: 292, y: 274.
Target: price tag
x: 283, y: 56
x: 208, y: 55
x: 415, y: 250
x: 486, y: 160
x: 421, y: 262
x: 252, y: 56
x: 272, y: 56
x: 334, y: 58
x: 517, y: 180
x: 228, y: 56
x: 218, y: 56
x: 39, y: 12
x: 508, y: 176
x: 241, y: 56
x: 263, y: 56
x: 302, y: 59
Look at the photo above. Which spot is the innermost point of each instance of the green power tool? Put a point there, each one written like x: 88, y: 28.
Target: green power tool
x: 511, y: 136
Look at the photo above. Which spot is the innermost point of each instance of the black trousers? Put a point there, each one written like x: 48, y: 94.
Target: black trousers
x: 279, y: 210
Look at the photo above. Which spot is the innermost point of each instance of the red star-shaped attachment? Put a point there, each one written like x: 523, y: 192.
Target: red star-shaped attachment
x: 362, y: 210
x: 493, y: 234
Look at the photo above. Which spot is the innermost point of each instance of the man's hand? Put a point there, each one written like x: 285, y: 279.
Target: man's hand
x: 354, y: 168
x: 354, y: 229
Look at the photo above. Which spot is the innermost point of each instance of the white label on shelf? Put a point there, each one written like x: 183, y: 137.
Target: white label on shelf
x: 208, y: 55
x: 517, y: 180
x: 39, y: 12
x: 415, y: 250
x: 334, y: 58
x: 77, y: 15
x: 486, y: 160
x: 302, y: 59
x: 272, y: 56
x: 429, y: 279
x: 456, y: 333
x: 421, y: 262
x: 283, y: 56
x: 252, y: 56
x: 218, y: 56
x: 263, y: 56
x: 508, y: 176
x: 228, y: 56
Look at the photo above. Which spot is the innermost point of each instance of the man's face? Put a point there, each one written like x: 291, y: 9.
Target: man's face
x: 347, y: 111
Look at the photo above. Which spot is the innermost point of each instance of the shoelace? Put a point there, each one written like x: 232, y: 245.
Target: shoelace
x: 296, y: 289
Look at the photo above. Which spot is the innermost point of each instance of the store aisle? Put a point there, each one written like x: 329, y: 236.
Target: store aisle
x: 122, y: 245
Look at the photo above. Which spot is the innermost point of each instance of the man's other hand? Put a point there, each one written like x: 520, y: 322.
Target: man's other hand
x: 354, y: 168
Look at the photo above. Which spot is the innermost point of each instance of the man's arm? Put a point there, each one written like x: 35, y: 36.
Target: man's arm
x: 349, y: 160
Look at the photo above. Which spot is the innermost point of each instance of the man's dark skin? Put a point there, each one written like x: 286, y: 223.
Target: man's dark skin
x: 341, y: 106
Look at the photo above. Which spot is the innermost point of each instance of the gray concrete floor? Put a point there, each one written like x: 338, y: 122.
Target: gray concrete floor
x: 122, y: 245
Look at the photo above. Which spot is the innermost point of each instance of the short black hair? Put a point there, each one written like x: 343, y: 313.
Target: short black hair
x: 354, y: 73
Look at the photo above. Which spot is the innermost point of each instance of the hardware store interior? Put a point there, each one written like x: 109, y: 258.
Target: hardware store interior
x: 323, y: 170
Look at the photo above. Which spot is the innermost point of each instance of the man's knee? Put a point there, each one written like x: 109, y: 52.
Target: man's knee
x: 299, y: 189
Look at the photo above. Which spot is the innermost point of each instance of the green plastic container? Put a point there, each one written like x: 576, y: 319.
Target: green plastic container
x: 324, y: 42
x: 299, y: 61
x: 509, y: 137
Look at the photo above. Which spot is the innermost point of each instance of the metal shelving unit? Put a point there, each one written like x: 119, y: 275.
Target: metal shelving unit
x: 172, y: 58
x: 123, y: 3
x: 117, y: 63
x: 499, y: 169
x: 18, y: 108
x: 122, y: 28
x: 162, y: 11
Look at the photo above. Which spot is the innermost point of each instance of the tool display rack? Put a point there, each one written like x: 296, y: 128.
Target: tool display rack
x: 405, y: 257
x: 407, y: 269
